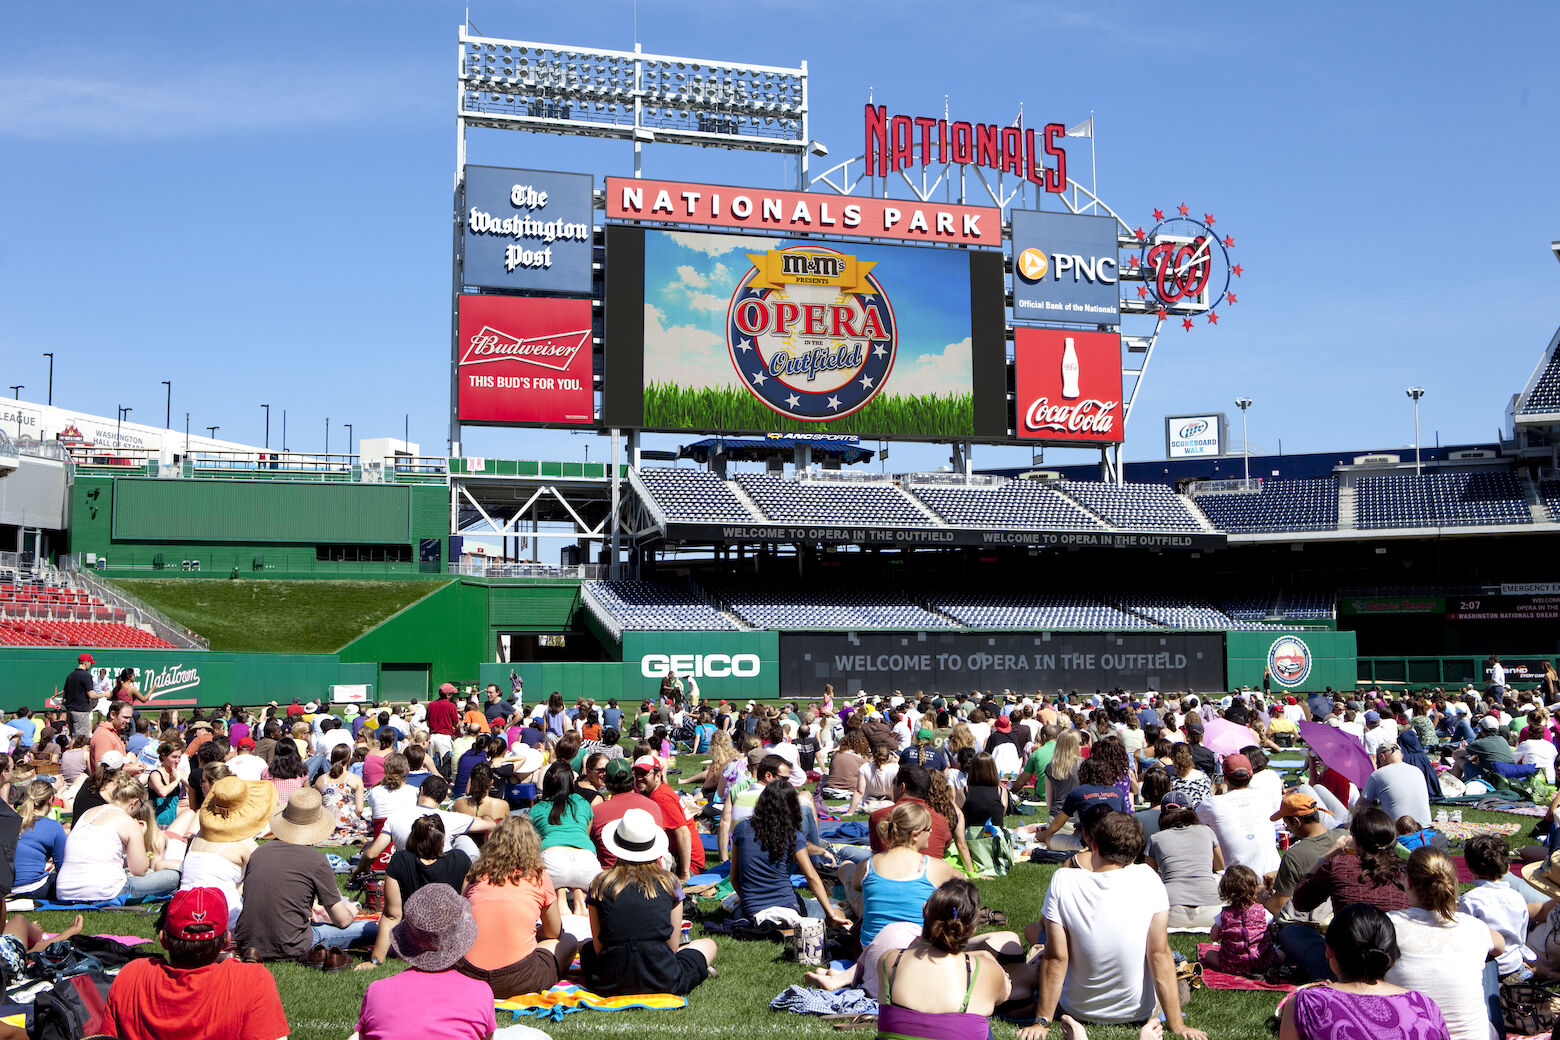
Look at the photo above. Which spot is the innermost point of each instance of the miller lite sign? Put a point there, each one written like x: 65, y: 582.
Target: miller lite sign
x: 1068, y: 386
x: 524, y: 360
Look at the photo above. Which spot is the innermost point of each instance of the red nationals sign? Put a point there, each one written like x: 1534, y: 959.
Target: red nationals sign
x: 1068, y: 385
x: 521, y: 359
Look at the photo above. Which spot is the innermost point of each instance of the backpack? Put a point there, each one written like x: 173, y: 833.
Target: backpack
x: 72, y: 1008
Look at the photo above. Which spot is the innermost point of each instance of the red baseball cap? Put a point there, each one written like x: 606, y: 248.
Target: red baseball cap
x: 1237, y: 765
x: 84, y: 659
x: 246, y: 743
x: 648, y: 762
x: 197, y: 913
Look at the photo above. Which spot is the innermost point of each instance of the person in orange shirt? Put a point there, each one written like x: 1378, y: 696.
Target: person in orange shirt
x: 475, y: 717
x: 110, y: 736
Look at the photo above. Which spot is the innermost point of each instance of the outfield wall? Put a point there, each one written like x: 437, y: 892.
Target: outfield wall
x: 1332, y: 658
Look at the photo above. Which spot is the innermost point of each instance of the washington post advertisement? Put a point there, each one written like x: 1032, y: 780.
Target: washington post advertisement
x: 752, y: 334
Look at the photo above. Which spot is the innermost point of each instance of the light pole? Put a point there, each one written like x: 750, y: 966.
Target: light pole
x: 50, y: 356
x: 212, y: 430
x: 1245, y: 446
x: 186, y: 433
x: 284, y: 429
x: 16, y: 392
x: 168, y: 406
x: 327, y: 435
x: 123, y: 411
x: 1416, y: 392
x: 349, y: 437
x: 267, y: 426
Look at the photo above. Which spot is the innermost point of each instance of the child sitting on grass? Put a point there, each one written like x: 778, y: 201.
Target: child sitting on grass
x: 1241, y: 930
x: 1498, y: 905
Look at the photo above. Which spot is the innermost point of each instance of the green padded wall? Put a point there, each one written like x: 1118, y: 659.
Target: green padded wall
x: 260, y: 511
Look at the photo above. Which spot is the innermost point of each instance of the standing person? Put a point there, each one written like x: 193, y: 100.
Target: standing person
x: 194, y: 993
x: 1497, y: 676
x: 1443, y: 949
x: 433, y: 998
x: 1362, y: 949
x: 443, y: 727
x: 79, y: 696
x: 636, y: 918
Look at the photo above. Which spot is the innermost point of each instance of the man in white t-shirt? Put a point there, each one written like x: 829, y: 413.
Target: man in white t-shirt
x: 1107, y: 952
x: 246, y: 765
x: 1241, y: 819
x: 1376, y: 733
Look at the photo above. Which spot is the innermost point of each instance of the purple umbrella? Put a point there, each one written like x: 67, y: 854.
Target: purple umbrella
x: 1344, y: 753
x: 1223, y: 737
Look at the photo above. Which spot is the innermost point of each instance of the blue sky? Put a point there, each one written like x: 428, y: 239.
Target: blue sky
x: 253, y: 200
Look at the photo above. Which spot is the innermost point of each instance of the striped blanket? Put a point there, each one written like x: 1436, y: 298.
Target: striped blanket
x: 566, y: 998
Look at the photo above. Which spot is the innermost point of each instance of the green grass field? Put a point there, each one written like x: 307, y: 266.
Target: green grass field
x: 298, y: 617
x: 928, y: 415
x: 735, y: 1005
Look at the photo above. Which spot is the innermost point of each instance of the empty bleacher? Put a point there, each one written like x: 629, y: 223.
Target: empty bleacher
x: 695, y: 495
x: 825, y: 502
x: 1441, y: 499
x: 1033, y: 610
x: 770, y: 607
x: 1180, y: 611
x: 656, y: 605
x: 43, y: 612
x: 1545, y: 397
x: 40, y: 632
x: 1280, y: 505
x: 1549, y: 494
x: 1014, y: 503
x: 1153, y: 507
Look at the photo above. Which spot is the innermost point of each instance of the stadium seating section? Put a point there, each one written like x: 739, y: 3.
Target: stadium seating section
x: 1441, y: 499
x: 812, y: 502
x: 1549, y: 491
x: 1015, y: 503
x: 37, y: 614
x: 1545, y: 397
x: 656, y: 605
x: 768, y: 607
x: 1153, y: 507
x: 1280, y: 505
x: 1034, y: 610
x: 694, y: 494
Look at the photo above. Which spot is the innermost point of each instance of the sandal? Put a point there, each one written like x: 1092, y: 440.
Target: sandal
x: 852, y: 1021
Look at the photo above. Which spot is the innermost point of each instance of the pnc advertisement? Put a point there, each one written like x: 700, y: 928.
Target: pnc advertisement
x: 1065, y: 268
x: 1068, y: 386
x: 524, y: 360
x: 743, y: 333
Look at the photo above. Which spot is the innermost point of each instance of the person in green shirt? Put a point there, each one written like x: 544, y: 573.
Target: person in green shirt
x: 562, y: 820
x: 1039, y: 758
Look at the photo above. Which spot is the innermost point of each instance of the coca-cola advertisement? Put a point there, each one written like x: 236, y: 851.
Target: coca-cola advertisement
x: 525, y: 360
x: 1068, y: 385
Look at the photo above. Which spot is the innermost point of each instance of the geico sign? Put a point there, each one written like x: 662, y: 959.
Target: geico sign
x: 715, y: 666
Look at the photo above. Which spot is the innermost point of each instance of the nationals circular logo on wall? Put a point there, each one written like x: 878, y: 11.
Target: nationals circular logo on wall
x: 811, y: 333
x: 1289, y: 660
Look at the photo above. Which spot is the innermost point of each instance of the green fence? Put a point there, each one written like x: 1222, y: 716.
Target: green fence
x: 1328, y: 659
x: 1522, y: 670
x: 180, y: 678
x: 725, y: 665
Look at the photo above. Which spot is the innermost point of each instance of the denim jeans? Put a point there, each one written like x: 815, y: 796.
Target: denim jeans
x: 1306, y: 949
x: 358, y: 933
x: 152, y: 884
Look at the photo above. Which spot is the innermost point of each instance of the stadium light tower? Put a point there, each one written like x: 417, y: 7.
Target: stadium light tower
x: 118, y: 422
x: 50, y: 356
x: 168, y: 405
x: 16, y: 391
x: 349, y: 437
x: 1416, y: 392
x: 267, y: 426
x: 1245, y: 446
x: 212, y: 430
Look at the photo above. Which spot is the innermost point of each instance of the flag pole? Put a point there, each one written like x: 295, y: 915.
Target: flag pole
x: 1094, y: 170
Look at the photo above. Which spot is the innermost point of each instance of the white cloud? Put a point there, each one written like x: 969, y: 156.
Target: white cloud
x: 691, y: 278
x: 686, y: 355
x: 720, y: 245
x: 707, y: 302
x: 946, y: 372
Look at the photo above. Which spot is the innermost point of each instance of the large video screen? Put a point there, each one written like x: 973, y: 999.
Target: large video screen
x: 742, y: 333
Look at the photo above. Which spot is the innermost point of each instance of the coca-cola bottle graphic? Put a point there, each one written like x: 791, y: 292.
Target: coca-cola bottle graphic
x: 1070, y: 370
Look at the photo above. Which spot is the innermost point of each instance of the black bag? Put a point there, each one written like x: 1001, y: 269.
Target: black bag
x: 72, y: 1008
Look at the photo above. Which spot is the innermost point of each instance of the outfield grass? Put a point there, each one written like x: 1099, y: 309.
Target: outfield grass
x: 735, y: 1005
x: 297, y: 617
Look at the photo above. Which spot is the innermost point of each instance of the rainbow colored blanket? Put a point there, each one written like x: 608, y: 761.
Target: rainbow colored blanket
x: 566, y: 998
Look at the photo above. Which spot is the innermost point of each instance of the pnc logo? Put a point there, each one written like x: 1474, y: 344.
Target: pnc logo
x: 715, y: 666
x: 1192, y: 429
x: 1032, y: 265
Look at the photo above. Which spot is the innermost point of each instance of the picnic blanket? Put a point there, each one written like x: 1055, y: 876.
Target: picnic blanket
x: 120, y: 902
x: 806, y: 1001
x: 1223, y: 980
x: 1463, y: 830
x: 566, y: 998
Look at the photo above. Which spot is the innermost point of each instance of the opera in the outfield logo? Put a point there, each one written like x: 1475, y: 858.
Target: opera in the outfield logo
x: 811, y: 333
x: 1289, y: 661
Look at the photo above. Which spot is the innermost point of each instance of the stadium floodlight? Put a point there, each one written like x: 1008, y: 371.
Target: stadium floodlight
x: 1245, y: 446
x: 212, y: 430
x: 551, y: 88
x: 1416, y: 392
x: 119, y: 423
x: 818, y: 148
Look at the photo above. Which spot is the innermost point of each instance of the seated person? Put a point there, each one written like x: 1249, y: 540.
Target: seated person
x: 193, y: 994
x: 433, y: 999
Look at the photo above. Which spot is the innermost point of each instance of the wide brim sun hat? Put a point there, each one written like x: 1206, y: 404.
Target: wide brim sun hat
x: 236, y: 809
x: 636, y: 838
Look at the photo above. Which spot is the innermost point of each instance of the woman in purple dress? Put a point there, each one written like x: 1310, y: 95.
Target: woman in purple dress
x: 1361, y: 948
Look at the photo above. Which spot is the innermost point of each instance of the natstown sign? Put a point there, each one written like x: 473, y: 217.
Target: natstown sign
x: 1023, y: 662
x: 1065, y: 268
x: 527, y: 229
x: 795, y: 212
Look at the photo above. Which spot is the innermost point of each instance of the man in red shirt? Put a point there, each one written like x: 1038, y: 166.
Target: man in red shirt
x: 191, y: 995
x: 912, y: 784
x: 621, y: 797
x: 443, y: 726
x: 681, y: 834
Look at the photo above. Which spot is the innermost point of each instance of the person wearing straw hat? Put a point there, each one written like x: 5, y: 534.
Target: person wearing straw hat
x: 284, y: 881
x: 432, y: 999
x: 636, y: 918
x: 235, y: 813
x: 193, y: 993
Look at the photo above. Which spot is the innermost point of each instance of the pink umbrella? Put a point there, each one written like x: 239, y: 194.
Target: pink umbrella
x: 1223, y: 737
x: 1344, y: 753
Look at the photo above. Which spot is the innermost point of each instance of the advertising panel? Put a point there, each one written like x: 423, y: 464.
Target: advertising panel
x: 1503, y: 608
x: 1065, y: 268
x: 527, y: 229
x: 781, y: 212
x: 1194, y: 436
x: 749, y: 334
x: 1068, y: 386
x: 524, y: 360
x: 1020, y: 661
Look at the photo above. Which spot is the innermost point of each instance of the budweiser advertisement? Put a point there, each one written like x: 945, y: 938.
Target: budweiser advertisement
x: 525, y: 360
x: 1068, y: 385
